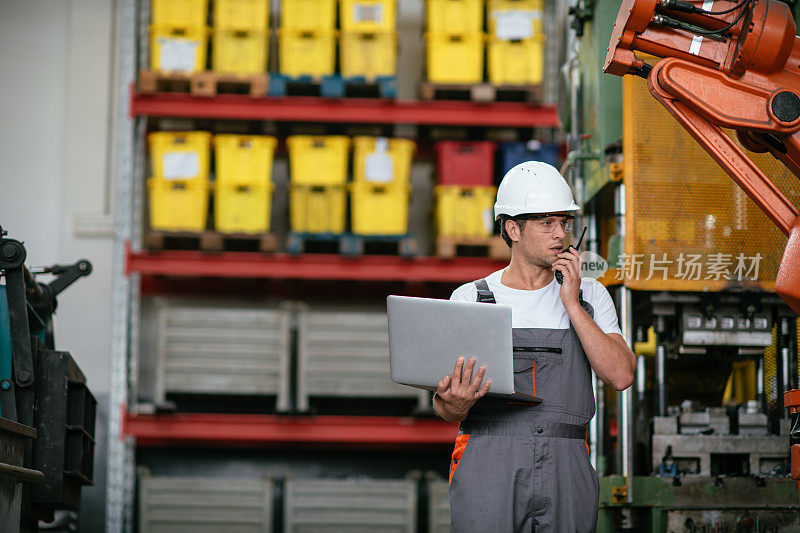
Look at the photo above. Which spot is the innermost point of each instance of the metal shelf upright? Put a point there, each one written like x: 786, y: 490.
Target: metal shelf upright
x: 120, y: 482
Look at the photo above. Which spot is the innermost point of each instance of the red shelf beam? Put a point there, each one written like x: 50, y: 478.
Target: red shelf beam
x: 347, y: 110
x: 249, y: 430
x: 309, y: 266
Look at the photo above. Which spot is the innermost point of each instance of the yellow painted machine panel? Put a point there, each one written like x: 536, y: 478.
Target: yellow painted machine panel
x: 688, y: 226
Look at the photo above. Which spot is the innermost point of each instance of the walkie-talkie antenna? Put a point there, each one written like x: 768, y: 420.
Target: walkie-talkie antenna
x: 577, y: 246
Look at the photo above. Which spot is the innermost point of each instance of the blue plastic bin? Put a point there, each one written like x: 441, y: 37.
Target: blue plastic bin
x: 512, y: 154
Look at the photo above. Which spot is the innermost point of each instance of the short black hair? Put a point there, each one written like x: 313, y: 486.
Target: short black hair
x: 520, y: 220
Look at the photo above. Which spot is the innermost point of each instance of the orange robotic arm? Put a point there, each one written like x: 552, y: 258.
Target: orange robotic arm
x: 726, y: 64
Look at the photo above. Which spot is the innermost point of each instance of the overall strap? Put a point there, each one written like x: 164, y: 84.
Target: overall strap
x: 484, y: 294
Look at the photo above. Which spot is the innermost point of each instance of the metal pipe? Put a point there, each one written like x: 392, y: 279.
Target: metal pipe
x: 625, y: 403
x: 619, y: 209
x: 661, y: 382
x: 785, y: 365
x: 760, y: 384
x: 575, y: 85
x: 626, y: 429
x: 782, y: 365
x: 640, y: 377
x: 600, y: 418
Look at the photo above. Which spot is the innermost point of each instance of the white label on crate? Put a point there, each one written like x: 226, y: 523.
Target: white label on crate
x: 378, y: 166
x: 181, y: 165
x: 177, y: 54
x: 515, y: 25
x: 488, y: 219
x: 368, y: 13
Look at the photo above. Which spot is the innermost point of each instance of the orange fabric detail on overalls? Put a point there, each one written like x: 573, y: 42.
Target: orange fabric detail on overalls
x: 587, y: 448
x: 533, y: 378
x: 458, y: 451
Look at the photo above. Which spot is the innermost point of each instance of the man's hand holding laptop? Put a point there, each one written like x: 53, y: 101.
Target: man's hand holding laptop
x: 456, y: 394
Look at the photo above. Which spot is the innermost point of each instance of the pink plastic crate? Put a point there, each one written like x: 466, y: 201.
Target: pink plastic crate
x: 465, y: 163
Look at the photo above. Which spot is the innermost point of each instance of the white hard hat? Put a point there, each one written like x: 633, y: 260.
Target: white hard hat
x: 533, y: 187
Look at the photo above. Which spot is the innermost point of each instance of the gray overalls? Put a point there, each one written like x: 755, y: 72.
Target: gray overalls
x: 522, y: 467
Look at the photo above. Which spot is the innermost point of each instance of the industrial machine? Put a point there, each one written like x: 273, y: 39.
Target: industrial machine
x: 736, y: 67
x: 706, y: 284
x: 47, y: 413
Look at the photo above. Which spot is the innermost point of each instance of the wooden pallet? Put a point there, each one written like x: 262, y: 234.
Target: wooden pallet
x: 333, y: 86
x: 206, y: 83
x: 212, y: 241
x: 491, y: 247
x: 349, y: 244
x: 481, y: 92
x: 213, y: 83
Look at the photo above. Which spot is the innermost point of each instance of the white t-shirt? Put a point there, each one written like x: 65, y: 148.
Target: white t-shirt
x: 542, y: 308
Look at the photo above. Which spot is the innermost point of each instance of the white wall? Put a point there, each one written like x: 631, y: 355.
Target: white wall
x: 55, y: 86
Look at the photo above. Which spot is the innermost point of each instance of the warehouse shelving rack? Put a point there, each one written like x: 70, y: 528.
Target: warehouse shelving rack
x: 348, y: 110
x: 130, y: 427
x: 250, y: 430
x: 181, y: 263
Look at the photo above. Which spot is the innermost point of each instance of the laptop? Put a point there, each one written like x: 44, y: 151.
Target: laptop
x: 427, y: 335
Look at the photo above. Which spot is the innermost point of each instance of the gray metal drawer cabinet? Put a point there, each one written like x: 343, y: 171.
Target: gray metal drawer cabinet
x: 350, y: 506
x: 204, y: 505
x: 346, y: 354
x: 438, y: 506
x: 223, y: 351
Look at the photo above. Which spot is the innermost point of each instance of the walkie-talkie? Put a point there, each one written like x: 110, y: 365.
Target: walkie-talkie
x: 559, y: 275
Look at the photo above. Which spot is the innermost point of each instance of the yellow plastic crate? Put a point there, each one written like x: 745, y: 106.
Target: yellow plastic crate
x: 180, y: 12
x: 308, y: 15
x: 368, y: 54
x: 379, y: 209
x: 455, y: 58
x: 367, y: 15
x: 516, y: 62
x: 464, y: 211
x: 241, y: 15
x: 175, y: 49
x: 307, y: 53
x: 455, y: 16
x: 180, y: 155
x: 317, y: 208
x: 244, y: 159
x: 242, y: 208
x: 320, y: 160
x: 513, y: 20
x: 239, y: 52
x: 178, y: 205
x: 378, y: 159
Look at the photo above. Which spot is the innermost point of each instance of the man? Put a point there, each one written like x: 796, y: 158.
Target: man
x: 520, y: 466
